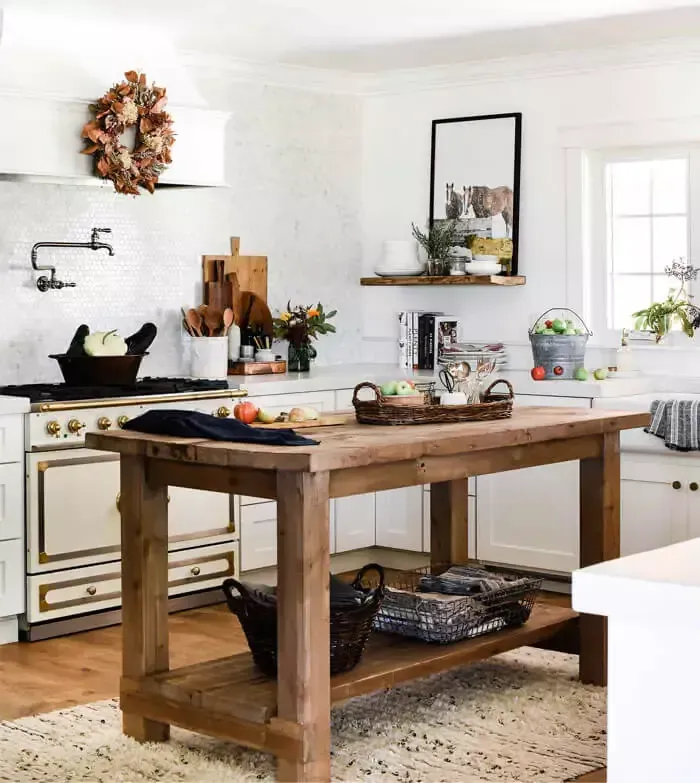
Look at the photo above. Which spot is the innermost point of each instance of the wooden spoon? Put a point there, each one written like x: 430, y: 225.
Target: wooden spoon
x: 227, y: 319
x: 194, y: 319
x: 212, y: 319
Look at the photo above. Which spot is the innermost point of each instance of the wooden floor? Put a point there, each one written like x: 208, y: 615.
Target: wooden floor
x: 70, y: 670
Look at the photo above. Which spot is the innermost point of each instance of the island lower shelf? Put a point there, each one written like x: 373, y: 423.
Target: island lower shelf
x: 231, y: 698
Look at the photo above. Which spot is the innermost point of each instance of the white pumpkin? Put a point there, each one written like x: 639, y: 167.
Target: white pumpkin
x: 105, y: 344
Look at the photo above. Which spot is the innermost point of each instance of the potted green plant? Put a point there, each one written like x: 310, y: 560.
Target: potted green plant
x: 677, y: 309
x: 437, y: 243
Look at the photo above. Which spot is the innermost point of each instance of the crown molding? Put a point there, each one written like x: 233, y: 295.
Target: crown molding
x: 297, y: 77
x: 531, y: 66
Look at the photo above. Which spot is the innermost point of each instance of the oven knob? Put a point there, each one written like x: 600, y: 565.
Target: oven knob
x: 103, y: 423
x: 91, y: 590
x: 195, y: 571
x: 223, y: 412
x: 53, y: 427
x: 122, y: 420
x: 75, y: 426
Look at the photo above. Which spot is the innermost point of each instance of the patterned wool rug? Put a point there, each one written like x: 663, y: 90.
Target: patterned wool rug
x: 522, y: 717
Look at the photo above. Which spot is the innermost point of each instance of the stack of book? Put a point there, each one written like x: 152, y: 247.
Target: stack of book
x: 423, y: 337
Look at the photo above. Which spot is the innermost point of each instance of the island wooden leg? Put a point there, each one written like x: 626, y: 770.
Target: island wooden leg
x: 303, y: 646
x: 599, y: 540
x: 144, y: 514
x: 449, y: 522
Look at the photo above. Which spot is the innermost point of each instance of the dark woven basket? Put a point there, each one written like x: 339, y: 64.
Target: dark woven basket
x: 379, y: 411
x: 415, y: 614
x: 349, y: 628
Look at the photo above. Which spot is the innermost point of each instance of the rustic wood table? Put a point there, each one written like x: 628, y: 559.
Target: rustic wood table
x: 230, y: 698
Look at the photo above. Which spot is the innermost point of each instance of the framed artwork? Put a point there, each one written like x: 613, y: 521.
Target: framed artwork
x: 475, y: 180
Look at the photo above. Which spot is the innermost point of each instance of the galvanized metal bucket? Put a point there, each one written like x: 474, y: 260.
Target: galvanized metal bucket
x: 560, y: 354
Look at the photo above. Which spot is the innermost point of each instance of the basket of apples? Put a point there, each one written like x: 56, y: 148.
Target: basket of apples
x: 400, y: 402
x: 558, y: 344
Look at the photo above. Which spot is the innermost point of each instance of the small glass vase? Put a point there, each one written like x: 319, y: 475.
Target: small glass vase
x: 299, y: 357
x: 436, y: 267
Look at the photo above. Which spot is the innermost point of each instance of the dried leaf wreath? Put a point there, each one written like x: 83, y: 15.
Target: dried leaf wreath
x: 130, y: 103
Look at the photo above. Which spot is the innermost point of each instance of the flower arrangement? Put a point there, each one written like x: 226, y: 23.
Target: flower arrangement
x: 300, y: 324
x: 126, y: 104
x: 660, y: 317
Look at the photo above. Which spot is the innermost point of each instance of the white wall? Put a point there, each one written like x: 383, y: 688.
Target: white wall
x: 293, y: 166
x: 396, y: 161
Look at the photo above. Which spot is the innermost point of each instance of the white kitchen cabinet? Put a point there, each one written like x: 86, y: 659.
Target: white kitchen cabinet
x: 355, y: 522
x: 258, y: 535
x: 343, y: 399
x: 11, y: 578
x: 11, y: 438
x: 11, y: 501
x: 399, y: 518
x: 530, y: 517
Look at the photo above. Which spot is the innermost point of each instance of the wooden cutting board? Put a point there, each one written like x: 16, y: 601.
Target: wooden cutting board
x: 329, y: 420
x: 250, y: 270
x: 259, y: 314
x: 257, y: 368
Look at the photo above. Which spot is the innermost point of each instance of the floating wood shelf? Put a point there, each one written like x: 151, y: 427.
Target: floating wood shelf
x: 447, y: 280
x: 231, y: 698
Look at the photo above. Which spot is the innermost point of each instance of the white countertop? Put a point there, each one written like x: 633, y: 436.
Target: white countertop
x: 13, y: 405
x: 662, y: 584
x: 347, y: 376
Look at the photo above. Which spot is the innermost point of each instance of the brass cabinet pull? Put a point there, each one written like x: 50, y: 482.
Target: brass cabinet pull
x: 91, y: 590
x: 195, y: 571
x: 676, y: 485
x: 693, y: 486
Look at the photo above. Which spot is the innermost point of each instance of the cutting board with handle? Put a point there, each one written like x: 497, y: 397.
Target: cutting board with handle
x: 326, y: 420
x: 255, y: 312
x: 217, y: 288
x: 251, y: 271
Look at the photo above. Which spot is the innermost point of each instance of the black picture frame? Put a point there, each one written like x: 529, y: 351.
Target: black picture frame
x: 483, y: 187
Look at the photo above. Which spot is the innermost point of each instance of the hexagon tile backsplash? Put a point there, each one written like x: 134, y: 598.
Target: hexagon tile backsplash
x: 308, y: 230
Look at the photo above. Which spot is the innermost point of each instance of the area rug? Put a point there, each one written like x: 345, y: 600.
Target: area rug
x: 521, y: 716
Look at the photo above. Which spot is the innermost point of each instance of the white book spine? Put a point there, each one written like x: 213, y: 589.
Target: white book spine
x: 403, y: 340
x: 414, y: 351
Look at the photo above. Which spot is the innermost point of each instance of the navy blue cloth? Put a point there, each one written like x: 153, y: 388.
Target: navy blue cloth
x: 193, y: 424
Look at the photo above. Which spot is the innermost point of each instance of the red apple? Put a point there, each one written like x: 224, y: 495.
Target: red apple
x: 558, y: 370
x: 538, y: 373
x: 245, y: 412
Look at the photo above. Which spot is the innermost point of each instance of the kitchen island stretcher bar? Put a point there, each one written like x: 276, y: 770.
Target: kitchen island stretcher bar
x: 230, y: 698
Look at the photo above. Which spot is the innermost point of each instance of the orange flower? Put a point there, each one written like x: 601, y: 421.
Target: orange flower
x: 312, y: 312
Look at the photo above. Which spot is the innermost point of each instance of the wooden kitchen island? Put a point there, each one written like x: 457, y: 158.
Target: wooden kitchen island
x: 230, y: 698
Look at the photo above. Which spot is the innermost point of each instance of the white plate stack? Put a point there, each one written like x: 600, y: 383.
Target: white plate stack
x: 399, y: 259
x: 472, y: 353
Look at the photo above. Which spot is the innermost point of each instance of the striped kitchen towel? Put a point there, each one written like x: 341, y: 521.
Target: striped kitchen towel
x: 677, y: 422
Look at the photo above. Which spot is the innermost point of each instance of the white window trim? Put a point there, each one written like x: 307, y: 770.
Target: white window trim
x: 586, y: 251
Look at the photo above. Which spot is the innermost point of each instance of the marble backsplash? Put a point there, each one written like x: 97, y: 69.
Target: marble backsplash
x: 293, y: 196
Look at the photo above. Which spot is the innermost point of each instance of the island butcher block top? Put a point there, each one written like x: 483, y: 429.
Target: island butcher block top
x: 353, y: 445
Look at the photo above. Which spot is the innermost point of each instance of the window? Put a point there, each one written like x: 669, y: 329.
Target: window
x: 647, y: 226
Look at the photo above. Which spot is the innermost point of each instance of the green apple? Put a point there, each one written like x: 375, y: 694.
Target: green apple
x: 389, y: 388
x: 579, y: 331
x: 559, y: 326
x: 403, y: 388
x: 539, y: 329
x: 600, y: 374
x: 570, y: 331
x: 549, y: 331
x: 581, y: 374
x: 266, y: 417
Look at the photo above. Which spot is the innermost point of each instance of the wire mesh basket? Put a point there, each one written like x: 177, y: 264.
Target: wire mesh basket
x: 409, y: 610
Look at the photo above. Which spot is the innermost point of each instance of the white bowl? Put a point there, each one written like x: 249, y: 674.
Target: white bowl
x: 486, y: 259
x: 483, y: 268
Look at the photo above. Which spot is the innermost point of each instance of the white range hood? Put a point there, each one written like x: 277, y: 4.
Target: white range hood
x: 51, y: 69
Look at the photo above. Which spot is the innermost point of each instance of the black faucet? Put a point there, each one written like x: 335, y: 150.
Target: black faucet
x: 44, y: 283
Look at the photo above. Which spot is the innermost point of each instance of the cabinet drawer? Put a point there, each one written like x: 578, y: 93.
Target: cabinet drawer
x: 11, y: 439
x: 90, y: 589
x: 11, y: 495
x: 11, y: 578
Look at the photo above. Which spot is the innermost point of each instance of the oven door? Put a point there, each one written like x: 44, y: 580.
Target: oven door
x: 73, y: 511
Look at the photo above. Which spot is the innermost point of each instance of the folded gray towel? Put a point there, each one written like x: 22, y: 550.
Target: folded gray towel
x: 467, y: 580
x: 677, y: 423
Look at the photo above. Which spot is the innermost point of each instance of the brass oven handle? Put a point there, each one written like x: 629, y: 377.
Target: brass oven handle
x: 118, y: 501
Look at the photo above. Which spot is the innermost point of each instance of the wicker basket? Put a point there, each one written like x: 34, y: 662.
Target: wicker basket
x: 421, y: 616
x: 349, y: 628
x: 377, y: 411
